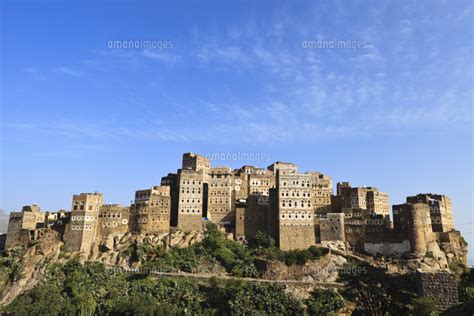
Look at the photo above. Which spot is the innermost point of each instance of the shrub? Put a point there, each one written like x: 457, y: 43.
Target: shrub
x: 324, y: 302
x: 225, y: 257
x: 424, y: 306
x: 262, y: 298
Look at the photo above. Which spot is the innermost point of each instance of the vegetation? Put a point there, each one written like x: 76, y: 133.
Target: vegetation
x: 424, y: 306
x: 376, y: 292
x: 235, y: 258
x: 11, y: 266
x: 215, y: 248
x: 264, y: 245
x: 324, y: 302
x: 74, y: 289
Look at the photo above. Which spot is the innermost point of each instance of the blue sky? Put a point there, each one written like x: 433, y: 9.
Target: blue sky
x: 79, y: 116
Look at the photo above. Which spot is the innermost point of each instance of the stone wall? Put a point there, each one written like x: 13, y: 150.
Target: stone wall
x: 440, y: 286
x: 332, y: 227
x: 252, y: 218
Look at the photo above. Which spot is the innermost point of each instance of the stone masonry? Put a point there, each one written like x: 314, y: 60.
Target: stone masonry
x: 440, y: 286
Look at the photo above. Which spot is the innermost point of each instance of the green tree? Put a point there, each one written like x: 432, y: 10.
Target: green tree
x: 43, y: 299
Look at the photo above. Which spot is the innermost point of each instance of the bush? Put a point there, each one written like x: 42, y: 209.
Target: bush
x: 225, y: 256
x: 302, y: 256
x: 324, y: 302
x: 466, y: 286
x: 262, y: 298
x: 424, y: 306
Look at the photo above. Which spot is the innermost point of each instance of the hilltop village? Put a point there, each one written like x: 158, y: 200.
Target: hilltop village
x: 297, y: 209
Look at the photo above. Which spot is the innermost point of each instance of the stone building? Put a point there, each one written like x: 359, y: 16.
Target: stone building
x: 331, y: 227
x: 82, y: 230
x: 297, y: 209
x: 414, y: 222
x: 252, y: 216
x: 220, y: 205
x: 294, y: 211
x: 22, y: 225
x: 171, y: 180
x: 240, y: 185
x: 192, y: 161
x: 321, y: 192
x: 114, y: 222
x: 377, y: 202
x: 114, y: 219
x: 441, y: 211
x: 368, y: 198
x: 192, y: 192
x: 151, y: 211
x: 283, y: 167
x: 191, y: 200
x: 360, y: 225
x: 261, y: 183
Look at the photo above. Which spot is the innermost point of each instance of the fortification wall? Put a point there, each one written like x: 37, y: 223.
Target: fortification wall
x: 440, y: 286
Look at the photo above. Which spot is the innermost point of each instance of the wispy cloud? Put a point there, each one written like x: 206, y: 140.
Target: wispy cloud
x: 302, y: 94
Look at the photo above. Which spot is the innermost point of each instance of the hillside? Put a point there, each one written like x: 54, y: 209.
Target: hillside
x: 196, y: 273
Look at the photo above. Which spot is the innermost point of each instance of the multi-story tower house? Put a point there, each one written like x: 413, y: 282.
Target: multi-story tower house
x: 22, y: 225
x: 171, y: 180
x: 151, y: 210
x: 191, y: 200
x: 192, y: 191
x: 253, y: 203
x: 114, y: 219
x: 377, y: 202
x: 414, y: 221
x: 332, y: 227
x: 82, y: 229
x: 240, y: 185
x: 283, y: 167
x: 252, y: 170
x: 441, y: 211
x: 294, y: 211
x: 221, y: 206
x: 261, y: 183
x: 366, y: 198
x: 321, y: 192
x: 192, y: 161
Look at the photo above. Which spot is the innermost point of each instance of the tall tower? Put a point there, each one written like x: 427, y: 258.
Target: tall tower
x: 81, y: 231
x: 295, y: 212
x: 220, y: 206
x: 441, y: 211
